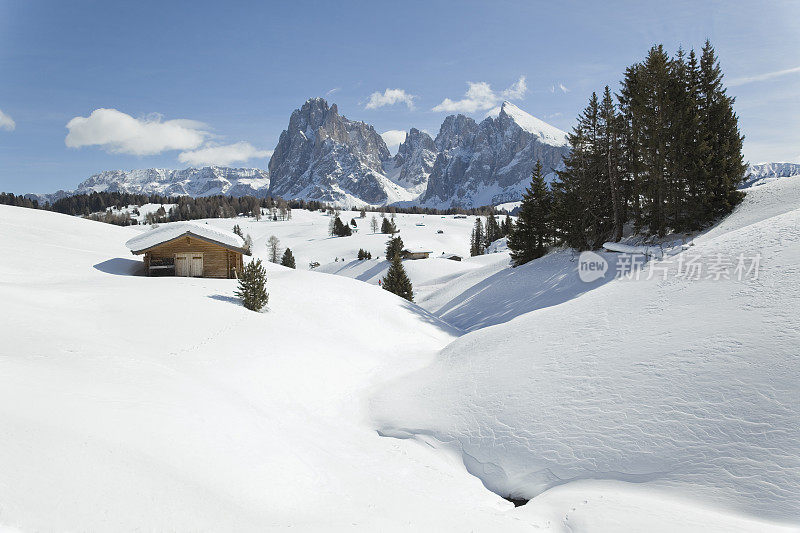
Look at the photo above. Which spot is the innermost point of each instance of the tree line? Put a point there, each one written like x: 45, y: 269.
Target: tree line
x: 663, y: 155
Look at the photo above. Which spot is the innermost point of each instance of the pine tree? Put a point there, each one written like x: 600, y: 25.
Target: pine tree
x: 394, y: 247
x: 531, y: 234
x: 720, y: 129
x: 581, y: 213
x: 476, y: 245
x: 492, y: 230
x: 288, y: 259
x: 610, y: 135
x: 396, y: 280
x: 252, y: 287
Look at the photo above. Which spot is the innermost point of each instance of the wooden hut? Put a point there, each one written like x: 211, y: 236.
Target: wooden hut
x: 189, y: 249
x: 415, y: 254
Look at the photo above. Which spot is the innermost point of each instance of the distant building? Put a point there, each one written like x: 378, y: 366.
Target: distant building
x: 189, y: 249
x: 415, y: 254
x: 452, y: 257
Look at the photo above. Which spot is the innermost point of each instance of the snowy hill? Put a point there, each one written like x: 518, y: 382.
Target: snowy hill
x: 618, y: 405
x: 161, y: 404
x: 661, y: 388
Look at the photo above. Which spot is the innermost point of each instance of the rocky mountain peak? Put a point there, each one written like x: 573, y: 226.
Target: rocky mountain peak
x: 456, y: 130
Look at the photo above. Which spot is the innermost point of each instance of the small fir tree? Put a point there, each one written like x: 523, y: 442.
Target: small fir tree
x: 288, y: 259
x: 476, y: 245
x: 396, y: 280
x: 253, y: 286
x: 393, y: 248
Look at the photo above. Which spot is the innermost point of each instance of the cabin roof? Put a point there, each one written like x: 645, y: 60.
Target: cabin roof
x: 416, y: 251
x: 173, y: 230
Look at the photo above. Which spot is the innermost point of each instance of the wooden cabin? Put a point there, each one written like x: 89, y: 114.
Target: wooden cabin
x: 190, y: 249
x: 415, y: 254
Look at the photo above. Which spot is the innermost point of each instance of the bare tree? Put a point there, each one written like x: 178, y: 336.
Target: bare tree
x: 274, y: 248
x: 255, y: 208
x: 373, y: 223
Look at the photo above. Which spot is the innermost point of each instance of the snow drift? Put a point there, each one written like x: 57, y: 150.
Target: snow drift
x: 689, y: 385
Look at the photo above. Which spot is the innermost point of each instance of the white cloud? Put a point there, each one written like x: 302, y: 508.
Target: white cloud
x: 480, y: 97
x: 222, y: 155
x: 517, y: 90
x: 563, y: 89
x: 393, y: 138
x: 118, y: 132
x: 334, y: 90
x: 390, y: 97
x: 763, y: 77
x: 6, y: 122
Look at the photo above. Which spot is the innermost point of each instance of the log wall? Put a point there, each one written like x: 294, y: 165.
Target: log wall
x: 218, y: 262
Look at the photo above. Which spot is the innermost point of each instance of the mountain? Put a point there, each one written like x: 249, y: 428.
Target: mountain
x: 206, y: 181
x: 763, y: 172
x: 490, y: 162
x: 413, y: 163
x: 324, y: 156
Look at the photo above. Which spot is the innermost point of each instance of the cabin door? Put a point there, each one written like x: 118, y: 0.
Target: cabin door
x: 189, y: 265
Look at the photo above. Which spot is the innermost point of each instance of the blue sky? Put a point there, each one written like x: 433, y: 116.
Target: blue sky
x: 172, y: 84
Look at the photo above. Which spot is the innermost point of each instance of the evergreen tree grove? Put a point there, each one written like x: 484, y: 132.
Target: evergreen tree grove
x: 665, y: 156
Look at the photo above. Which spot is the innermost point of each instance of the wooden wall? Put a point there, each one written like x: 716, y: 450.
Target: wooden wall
x: 218, y: 262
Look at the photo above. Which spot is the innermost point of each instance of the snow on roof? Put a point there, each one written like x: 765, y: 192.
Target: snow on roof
x: 547, y: 133
x: 417, y: 251
x: 167, y: 232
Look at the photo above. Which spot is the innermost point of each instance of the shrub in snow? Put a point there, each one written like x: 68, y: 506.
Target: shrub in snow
x: 253, y: 286
x: 288, y: 259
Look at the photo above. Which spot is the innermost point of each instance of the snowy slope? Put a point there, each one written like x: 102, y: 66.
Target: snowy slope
x: 684, y: 387
x: 546, y: 133
x: 160, y: 404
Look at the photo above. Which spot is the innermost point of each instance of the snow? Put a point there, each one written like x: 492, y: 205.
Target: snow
x: 162, y: 404
x: 129, y: 402
x: 167, y: 232
x: 680, y: 385
x: 547, y: 134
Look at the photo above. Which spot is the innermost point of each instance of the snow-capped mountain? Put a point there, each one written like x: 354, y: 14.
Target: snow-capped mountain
x: 763, y: 172
x: 324, y: 156
x: 413, y: 163
x: 491, y: 162
x: 206, y: 181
